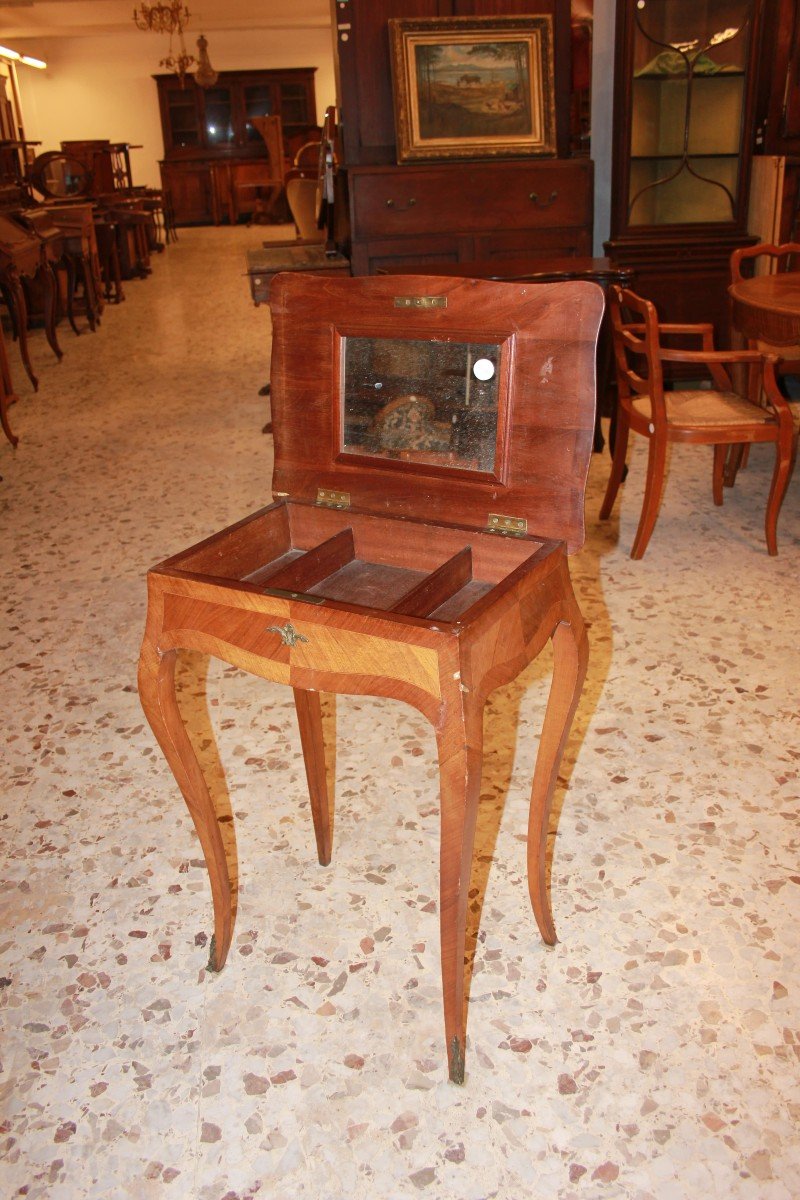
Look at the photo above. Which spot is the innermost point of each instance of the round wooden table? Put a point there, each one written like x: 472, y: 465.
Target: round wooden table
x: 767, y: 308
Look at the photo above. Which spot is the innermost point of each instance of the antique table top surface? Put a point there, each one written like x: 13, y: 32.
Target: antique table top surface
x: 768, y: 306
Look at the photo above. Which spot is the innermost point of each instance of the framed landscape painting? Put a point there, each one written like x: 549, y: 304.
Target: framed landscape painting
x: 473, y: 87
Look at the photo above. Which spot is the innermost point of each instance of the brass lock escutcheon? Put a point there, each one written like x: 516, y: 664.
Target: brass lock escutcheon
x: 287, y: 633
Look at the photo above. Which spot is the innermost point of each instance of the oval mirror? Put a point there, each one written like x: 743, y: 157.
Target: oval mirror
x: 58, y: 176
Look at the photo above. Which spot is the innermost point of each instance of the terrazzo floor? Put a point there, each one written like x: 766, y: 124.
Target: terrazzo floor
x: 651, y: 1055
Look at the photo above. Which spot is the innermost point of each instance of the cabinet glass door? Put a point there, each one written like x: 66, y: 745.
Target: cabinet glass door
x: 687, y: 110
x: 184, y: 126
x: 218, y: 116
x: 258, y: 102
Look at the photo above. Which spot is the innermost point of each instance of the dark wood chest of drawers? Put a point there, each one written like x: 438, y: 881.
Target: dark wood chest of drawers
x: 456, y: 212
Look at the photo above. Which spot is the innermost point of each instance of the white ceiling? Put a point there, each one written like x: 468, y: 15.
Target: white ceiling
x: 88, y: 18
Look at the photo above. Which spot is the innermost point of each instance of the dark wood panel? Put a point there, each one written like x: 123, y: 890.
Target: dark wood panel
x: 364, y: 76
x: 455, y: 211
x: 439, y: 199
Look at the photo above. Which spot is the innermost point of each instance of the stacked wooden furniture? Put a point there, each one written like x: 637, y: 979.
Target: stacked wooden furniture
x: 23, y: 262
x: 432, y: 441
x: 448, y: 212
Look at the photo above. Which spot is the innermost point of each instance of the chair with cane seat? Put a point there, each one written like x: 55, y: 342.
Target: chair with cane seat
x: 719, y: 416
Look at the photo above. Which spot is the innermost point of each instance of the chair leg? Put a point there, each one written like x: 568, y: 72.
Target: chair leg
x: 653, y: 489
x: 69, y: 267
x: 718, y: 477
x: 21, y: 320
x: 736, y: 458
x: 617, y: 464
x: 784, y: 465
x: 50, y: 291
x: 4, y: 424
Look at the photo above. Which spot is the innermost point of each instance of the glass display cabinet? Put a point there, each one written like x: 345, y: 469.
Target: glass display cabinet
x: 683, y: 132
x: 205, y: 129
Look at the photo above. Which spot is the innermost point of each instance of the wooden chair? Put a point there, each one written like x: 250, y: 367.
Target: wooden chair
x: 256, y: 187
x: 720, y: 417
x: 301, y: 196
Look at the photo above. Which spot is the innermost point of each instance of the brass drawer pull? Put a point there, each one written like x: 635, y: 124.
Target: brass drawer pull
x: 288, y: 634
x: 401, y: 208
x: 534, y: 196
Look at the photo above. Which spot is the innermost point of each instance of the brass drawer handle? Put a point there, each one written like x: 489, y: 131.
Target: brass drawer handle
x: 401, y: 208
x: 288, y: 634
x: 534, y: 196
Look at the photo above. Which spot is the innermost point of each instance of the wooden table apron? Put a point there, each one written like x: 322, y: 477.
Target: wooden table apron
x: 767, y: 308
x: 445, y: 671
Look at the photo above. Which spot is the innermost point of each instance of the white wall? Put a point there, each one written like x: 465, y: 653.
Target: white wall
x: 102, y: 87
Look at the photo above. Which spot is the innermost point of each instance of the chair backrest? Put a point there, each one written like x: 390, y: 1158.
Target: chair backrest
x: 271, y: 131
x: 634, y: 328
x: 773, y: 259
x: 308, y: 155
x: 301, y: 196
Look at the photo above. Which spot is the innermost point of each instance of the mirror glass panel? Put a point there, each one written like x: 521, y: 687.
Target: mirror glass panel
x: 421, y: 402
x: 58, y: 175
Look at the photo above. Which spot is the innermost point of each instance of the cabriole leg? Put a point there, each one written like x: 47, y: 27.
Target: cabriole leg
x: 460, y: 747
x: 160, y: 704
x: 570, y: 661
x: 312, y: 738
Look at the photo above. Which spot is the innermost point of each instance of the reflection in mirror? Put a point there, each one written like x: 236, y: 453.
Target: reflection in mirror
x: 421, y: 401
x: 57, y: 175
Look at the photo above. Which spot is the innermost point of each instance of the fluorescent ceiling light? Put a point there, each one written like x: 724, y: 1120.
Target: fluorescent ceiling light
x: 27, y: 59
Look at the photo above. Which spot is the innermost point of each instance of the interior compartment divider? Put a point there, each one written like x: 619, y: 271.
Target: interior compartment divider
x: 426, y: 596
x: 315, y: 565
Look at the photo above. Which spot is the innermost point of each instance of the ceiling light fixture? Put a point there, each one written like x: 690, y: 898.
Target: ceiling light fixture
x: 172, y: 19
x: 27, y: 59
x: 205, y: 74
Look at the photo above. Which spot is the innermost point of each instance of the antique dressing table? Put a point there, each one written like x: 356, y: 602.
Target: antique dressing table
x: 432, y: 442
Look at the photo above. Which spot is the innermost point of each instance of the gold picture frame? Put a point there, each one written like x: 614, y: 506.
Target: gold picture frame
x: 473, y: 87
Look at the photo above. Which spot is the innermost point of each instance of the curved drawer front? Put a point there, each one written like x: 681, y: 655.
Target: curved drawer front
x: 276, y: 645
x: 401, y: 201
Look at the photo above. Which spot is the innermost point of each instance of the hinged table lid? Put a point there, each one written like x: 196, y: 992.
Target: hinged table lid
x: 446, y: 399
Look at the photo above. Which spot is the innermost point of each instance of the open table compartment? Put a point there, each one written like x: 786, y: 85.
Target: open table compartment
x: 383, y: 567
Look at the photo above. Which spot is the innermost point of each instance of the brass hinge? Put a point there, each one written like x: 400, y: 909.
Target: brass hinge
x: 329, y: 498
x: 508, y: 526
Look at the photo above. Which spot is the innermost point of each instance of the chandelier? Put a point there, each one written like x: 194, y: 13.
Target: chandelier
x: 172, y: 19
